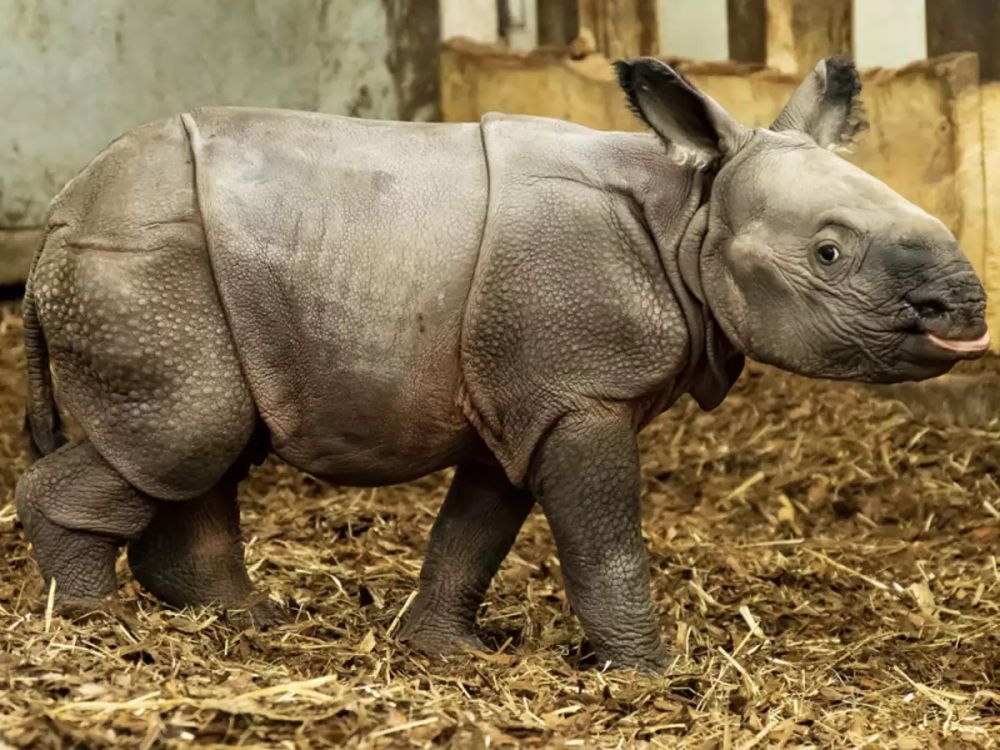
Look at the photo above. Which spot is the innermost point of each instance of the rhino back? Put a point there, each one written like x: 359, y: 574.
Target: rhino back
x: 343, y: 251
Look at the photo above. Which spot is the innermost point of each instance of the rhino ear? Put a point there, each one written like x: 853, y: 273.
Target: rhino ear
x: 679, y: 113
x: 827, y: 106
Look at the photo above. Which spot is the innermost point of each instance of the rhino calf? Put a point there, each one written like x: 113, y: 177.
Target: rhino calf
x: 517, y: 297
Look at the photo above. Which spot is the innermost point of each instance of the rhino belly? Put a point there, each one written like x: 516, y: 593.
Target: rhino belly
x: 343, y: 251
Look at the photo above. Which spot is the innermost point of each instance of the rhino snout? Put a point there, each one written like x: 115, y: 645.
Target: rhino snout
x: 951, y: 314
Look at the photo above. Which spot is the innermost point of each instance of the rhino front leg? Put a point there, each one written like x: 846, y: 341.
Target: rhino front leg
x: 586, y: 478
x: 472, y: 534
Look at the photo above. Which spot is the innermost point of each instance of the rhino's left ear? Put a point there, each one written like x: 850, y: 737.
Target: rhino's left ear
x: 827, y: 106
x: 679, y: 113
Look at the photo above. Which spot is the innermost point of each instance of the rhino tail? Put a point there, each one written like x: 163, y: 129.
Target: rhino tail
x: 42, y: 422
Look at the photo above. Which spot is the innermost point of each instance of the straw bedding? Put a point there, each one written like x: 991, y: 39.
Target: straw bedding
x: 825, y: 566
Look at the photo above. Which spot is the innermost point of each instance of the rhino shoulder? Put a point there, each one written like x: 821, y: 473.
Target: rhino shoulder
x: 569, y: 302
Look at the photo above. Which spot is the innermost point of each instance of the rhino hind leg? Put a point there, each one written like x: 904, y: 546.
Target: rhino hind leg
x: 191, y: 553
x: 472, y: 534
x: 77, y: 511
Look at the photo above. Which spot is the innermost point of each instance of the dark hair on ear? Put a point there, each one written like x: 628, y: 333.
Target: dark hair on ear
x: 634, y: 75
x: 843, y: 88
x: 627, y: 79
x: 670, y: 106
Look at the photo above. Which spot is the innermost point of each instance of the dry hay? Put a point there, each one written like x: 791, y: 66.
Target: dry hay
x: 824, y: 563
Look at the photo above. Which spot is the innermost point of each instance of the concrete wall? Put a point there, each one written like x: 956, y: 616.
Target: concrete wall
x: 694, y: 28
x: 889, y: 33
x: 75, y: 74
x: 473, y: 19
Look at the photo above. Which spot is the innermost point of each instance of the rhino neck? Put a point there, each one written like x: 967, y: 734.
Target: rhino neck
x: 714, y: 363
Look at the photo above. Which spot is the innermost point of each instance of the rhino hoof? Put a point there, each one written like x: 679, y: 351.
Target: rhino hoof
x: 83, y: 608
x: 259, y: 615
x: 441, y: 642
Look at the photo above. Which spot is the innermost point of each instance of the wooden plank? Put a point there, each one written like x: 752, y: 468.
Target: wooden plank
x: 966, y: 26
x: 801, y: 32
x: 964, y: 92
x: 747, y: 30
x: 990, y: 93
x: 622, y: 28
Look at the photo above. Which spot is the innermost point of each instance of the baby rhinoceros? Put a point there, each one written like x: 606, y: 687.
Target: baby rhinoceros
x: 518, y: 297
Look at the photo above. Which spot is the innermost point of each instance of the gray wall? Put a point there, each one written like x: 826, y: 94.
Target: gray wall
x: 76, y: 73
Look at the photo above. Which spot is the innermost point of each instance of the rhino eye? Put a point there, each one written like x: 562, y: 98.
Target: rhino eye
x: 828, y: 254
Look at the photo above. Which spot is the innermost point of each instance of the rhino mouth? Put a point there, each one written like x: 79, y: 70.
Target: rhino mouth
x: 971, y: 347
x: 948, y: 328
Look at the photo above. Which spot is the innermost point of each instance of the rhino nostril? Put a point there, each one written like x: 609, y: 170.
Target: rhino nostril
x: 930, y: 308
x: 928, y: 305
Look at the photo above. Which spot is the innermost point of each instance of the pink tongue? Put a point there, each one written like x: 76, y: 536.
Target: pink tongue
x: 955, y: 345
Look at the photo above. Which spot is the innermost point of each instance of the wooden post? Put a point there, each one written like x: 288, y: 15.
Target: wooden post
x: 621, y: 28
x: 801, y: 32
x: 414, y: 28
x: 558, y: 22
x: 747, y: 30
x: 966, y: 26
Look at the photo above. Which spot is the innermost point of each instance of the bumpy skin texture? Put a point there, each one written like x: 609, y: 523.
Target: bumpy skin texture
x: 125, y: 295
x: 566, y: 313
x: 517, y: 297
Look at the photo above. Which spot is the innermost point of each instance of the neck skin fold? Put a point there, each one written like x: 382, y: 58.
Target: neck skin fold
x: 714, y: 363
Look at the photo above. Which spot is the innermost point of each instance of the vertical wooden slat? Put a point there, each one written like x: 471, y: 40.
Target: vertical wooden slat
x: 990, y: 102
x: 747, y: 20
x: 414, y: 29
x: 622, y: 28
x: 558, y: 22
x: 801, y: 32
x: 965, y: 94
x: 966, y: 26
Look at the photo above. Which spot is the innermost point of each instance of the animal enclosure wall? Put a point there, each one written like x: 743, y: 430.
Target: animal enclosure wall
x: 74, y: 75
x: 927, y: 138
x: 990, y: 106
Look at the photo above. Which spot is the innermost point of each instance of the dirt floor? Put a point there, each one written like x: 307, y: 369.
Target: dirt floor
x: 825, y: 564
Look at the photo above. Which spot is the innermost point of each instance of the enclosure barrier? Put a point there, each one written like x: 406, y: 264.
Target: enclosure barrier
x: 934, y: 135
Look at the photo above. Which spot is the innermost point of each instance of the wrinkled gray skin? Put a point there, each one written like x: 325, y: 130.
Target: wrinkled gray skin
x: 375, y: 301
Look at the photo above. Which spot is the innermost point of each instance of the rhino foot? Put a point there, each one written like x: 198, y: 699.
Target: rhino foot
x: 259, y: 615
x: 653, y: 662
x: 90, y: 607
x: 191, y: 553
x: 437, y: 640
x: 587, y: 479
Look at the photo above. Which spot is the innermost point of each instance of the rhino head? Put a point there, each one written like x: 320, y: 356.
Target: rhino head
x: 807, y: 262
